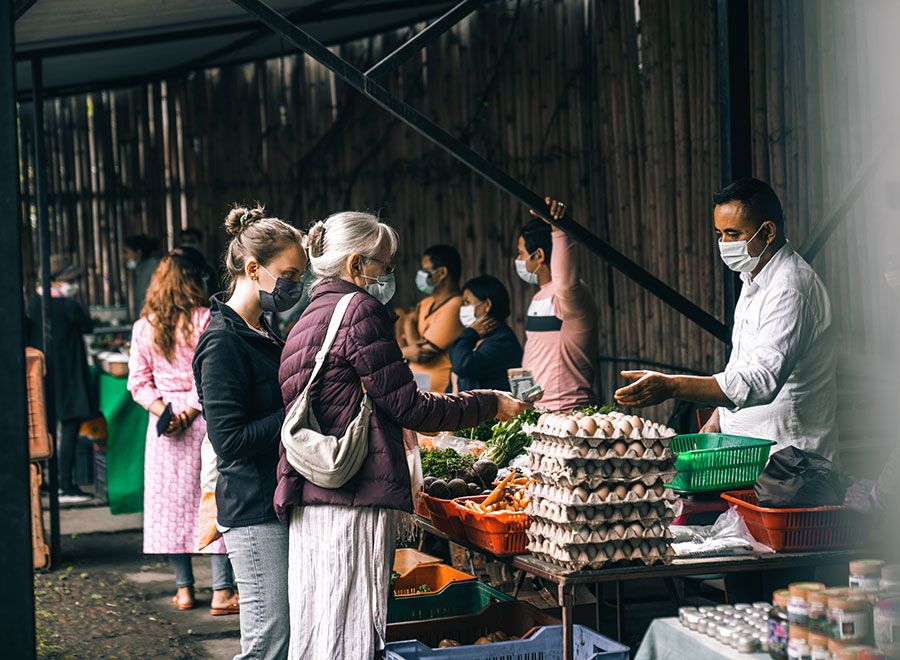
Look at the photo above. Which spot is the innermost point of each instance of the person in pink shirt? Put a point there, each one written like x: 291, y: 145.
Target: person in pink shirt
x: 561, y: 325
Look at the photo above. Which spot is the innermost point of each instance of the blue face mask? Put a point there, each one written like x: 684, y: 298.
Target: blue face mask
x: 382, y: 288
x: 422, y: 282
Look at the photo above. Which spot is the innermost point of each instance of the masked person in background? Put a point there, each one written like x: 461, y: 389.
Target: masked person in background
x: 561, y: 325
x: 779, y: 383
x: 73, y: 390
x: 434, y: 327
x: 488, y: 346
x: 137, y: 252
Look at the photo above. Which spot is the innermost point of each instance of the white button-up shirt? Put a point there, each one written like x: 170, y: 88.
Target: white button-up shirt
x: 781, y: 374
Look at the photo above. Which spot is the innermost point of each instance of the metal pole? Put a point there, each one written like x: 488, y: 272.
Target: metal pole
x: 40, y: 176
x: 479, y: 164
x: 733, y: 27
x: 425, y: 37
x: 16, y: 568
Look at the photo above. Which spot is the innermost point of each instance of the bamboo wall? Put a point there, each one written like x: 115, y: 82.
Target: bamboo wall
x: 610, y: 105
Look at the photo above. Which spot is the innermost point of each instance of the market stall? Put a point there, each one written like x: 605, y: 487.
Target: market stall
x: 590, y: 498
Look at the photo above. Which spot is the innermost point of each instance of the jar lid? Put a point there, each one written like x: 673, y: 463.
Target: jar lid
x: 836, y: 591
x: 866, y: 567
x: 780, y: 598
x: 818, y: 596
x: 848, y: 602
x: 801, y: 589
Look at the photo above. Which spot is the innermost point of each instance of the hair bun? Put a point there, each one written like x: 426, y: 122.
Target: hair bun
x: 315, y: 238
x: 240, y: 217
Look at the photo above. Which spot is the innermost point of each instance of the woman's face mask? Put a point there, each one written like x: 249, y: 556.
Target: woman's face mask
x: 382, y: 287
x: 284, y: 295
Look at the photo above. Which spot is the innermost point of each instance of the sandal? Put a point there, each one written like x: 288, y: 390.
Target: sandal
x: 233, y: 607
x: 181, y: 606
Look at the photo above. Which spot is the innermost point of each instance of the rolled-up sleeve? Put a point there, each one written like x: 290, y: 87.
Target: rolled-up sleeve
x: 757, y: 374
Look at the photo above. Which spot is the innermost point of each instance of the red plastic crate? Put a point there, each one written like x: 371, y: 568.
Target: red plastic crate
x: 815, y: 528
x: 502, y: 533
x: 445, y: 516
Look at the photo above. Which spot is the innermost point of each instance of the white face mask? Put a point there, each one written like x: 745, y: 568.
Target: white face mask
x: 422, y: 284
x: 382, y: 288
x: 69, y: 289
x: 131, y: 264
x: 467, y: 316
x: 523, y: 272
x: 737, y: 257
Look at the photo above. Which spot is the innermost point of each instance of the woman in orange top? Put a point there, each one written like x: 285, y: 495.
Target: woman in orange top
x: 435, y: 326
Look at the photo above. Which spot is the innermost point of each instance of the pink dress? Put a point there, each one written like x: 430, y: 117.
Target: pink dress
x: 171, y: 464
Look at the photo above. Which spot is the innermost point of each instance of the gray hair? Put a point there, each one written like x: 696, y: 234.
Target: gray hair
x: 343, y: 234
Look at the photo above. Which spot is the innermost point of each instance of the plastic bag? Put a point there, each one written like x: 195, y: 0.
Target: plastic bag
x: 209, y: 475
x: 797, y: 478
x: 728, y: 536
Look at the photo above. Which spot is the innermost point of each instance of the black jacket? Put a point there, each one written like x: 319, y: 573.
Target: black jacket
x: 73, y: 388
x: 485, y: 367
x: 236, y: 370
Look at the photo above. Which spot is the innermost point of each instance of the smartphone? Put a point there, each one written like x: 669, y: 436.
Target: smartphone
x: 163, y: 423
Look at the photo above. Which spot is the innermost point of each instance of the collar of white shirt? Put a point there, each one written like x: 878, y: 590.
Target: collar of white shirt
x: 767, y: 274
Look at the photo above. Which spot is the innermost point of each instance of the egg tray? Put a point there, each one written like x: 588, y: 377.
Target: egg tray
x: 612, y: 471
x: 569, y: 497
x: 572, y: 480
x: 566, y: 537
x: 594, y: 517
x: 604, y: 554
x: 635, y: 451
x: 586, y: 442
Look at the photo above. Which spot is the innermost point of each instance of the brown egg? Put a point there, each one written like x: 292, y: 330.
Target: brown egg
x: 621, y: 492
x: 543, y: 419
x: 658, y: 489
x: 635, y: 529
x: 581, y: 493
x: 637, y: 448
x: 570, y: 428
x: 618, y: 530
x: 578, y: 415
x: 639, y: 489
x: 625, y: 427
x: 658, y: 449
x: 588, y: 425
x: 602, y: 492
x: 620, y: 448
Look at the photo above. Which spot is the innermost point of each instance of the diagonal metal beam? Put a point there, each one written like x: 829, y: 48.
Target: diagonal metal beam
x: 425, y: 37
x: 462, y: 152
x: 20, y: 7
x: 820, y: 235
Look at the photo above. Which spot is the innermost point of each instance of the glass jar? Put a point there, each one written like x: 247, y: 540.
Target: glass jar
x: 818, y: 646
x: 682, y: 612
x: 849, y: 618
x: 798, y: 647
x: 890, y: 578
x: 798, y: 605
x: 865, y: 574
x: 818, y: 611
x: 887, y: 625
x: 778, y: 626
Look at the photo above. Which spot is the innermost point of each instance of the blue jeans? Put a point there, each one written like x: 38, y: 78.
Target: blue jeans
x: 184, y: 571
x: 259, y: 556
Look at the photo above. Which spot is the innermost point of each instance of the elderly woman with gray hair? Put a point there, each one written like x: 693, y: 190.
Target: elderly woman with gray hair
x: 341, y: 540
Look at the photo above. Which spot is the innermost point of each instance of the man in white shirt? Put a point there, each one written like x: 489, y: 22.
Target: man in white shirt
x: 779, y: 383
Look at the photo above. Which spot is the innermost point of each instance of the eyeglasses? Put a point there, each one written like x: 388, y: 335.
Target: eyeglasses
x: 388, y: 268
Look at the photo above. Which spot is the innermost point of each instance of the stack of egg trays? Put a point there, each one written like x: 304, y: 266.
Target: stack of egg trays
x: 596, y: 503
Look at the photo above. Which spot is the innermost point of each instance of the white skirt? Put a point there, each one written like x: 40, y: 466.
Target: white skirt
x: 339, y: 573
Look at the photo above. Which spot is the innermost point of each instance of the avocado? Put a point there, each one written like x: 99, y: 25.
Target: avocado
x: 458, y: 488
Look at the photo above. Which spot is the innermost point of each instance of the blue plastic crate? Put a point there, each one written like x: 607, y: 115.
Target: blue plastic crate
x: 544, y: 644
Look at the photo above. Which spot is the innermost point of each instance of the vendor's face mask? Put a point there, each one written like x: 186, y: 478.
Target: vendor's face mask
x: 423, y: 282
x: 736, y: 254
x: 284, y: 295
x: 523, y: 272
x: 131, y: 264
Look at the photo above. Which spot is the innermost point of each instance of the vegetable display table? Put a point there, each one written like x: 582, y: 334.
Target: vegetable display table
x: 667, y: 639
x: 126, y: 425
x: 567, y: 580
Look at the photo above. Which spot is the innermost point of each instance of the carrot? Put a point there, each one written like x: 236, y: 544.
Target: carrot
x: 497, y: 493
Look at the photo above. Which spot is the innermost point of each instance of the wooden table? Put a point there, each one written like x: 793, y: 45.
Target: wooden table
x: 567, y: 580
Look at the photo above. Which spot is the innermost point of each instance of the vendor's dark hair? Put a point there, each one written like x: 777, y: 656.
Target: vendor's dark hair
x: 141, y: 243
x: 255, y: 235
x: 756, y: 197
x: 538, y: 234
x: 487, y: 287
x: 191, y: 231
x: 446, y: 256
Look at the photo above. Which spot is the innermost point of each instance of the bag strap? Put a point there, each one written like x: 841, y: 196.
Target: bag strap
x: 337, y: 317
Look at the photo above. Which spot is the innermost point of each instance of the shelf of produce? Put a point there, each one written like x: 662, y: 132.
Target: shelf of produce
x: 566, y: 580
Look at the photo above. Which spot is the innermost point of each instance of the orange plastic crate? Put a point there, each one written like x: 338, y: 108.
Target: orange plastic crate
x: 502, y: 532
x: 445, y: 516
x: 436, y: 576
x: 814, y: 528
x: 406, y: 559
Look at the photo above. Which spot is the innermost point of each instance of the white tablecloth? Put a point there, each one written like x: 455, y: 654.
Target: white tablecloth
x: 667, y: 639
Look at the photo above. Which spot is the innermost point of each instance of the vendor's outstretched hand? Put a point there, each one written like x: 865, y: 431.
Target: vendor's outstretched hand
x: 649, y: 388
x: 557, y: 209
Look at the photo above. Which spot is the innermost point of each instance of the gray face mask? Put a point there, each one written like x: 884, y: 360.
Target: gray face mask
x: 382, y: 288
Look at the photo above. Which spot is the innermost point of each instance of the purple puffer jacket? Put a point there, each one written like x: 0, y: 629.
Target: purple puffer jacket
x: 365, y: 354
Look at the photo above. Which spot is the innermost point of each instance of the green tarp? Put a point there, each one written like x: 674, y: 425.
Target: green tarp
x: 126, y: 425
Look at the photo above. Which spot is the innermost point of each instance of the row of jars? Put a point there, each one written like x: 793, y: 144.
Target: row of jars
x: 743, y: 627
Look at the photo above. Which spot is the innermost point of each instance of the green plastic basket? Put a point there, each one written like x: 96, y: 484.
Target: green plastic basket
x: 456, y: 599
x: 716, y: 461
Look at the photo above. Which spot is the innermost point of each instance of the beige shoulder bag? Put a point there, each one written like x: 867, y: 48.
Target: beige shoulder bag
x: 325, y: 460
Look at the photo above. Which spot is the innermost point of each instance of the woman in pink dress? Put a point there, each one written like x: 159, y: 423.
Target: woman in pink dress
x: 163, y: 341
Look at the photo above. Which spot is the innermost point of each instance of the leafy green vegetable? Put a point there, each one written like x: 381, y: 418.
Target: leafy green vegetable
x: 445, y: 464
x: 597, y: 409
x: 482, y: 432
x: 509, y: 440
x: 423, y: 588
